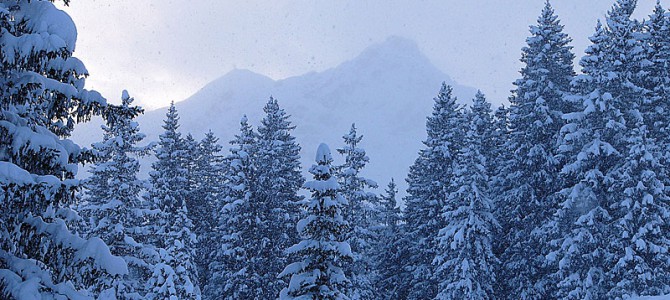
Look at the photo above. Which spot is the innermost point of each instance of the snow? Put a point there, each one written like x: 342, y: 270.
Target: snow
x: 38, y: 279
x: 11, y: 173
x: 93, y: 248
x: 96, y: 249
x: 323, y: 153
x: 57, y: 23
x: 330, y: 184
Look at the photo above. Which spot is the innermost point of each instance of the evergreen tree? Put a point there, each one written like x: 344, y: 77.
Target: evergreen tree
x: 657, y: 81
x: 112, y: 203
x: 537, y: 107
x: 657, y: 77
x: 176, y: 276
x: 42, y: 96
x: 466, y: 265
x: 486, y: 129
x: 362, y: 213
x: 390, y: 249
x: 204, y: 194
x: 189, y: 162
x: 641, y: 209
x: 428, y: 181
x: 500, y: 156
x: 595, y: 140
x: 642, y: 220
x: 276, y: 190
x: 323, y: 248
x: 231, y: 269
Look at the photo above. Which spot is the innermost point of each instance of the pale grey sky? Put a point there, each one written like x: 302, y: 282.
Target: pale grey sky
x: 163, y: 50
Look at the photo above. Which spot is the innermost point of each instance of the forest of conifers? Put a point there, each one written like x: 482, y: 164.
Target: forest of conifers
x: 563, y: 194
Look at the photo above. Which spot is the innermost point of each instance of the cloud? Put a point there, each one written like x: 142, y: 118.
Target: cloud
x: 166, y: 50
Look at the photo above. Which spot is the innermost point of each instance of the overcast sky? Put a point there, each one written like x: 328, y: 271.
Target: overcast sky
x: 163, y: 50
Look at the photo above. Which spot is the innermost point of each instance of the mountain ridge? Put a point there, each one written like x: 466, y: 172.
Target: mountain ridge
x: 387, y: 90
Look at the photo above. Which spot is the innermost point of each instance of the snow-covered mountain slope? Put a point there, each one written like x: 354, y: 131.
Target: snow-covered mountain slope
x: 387, y: 91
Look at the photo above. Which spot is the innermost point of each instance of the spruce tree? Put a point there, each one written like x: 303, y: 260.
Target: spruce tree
x: 177, y: 275
x: 362, y: 213
x: 390, y: 251
x: 501, y: 155
x: 276, y: 190
x: 486, y: 129
x: 113, y: 204
x: 42, y: 96
x: 641, y: 222
x: 237, y: 223
x: 641, y: 209
x: 428, y: 180
x: 204, y: 194
x: 657, y: 81
x: 595, y: 142
x: 323, y: 249
x: 537, y: 106
x: 466, y: 265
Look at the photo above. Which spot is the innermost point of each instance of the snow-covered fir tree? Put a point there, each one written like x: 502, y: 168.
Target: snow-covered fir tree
x: 486, y: 128
x: 362, y: 213
x: 500, y: 155
x: 428, y: 180
x: 596, y: 141
x: 657, y: 82
x: 390, y: 249
x: 232, y: 276
x: 656, y: 78
x: 641, y: 211
x: 323, y: 249
x: 112, y: 204
x: 176, y: 274
x: 43, y: 96
x: 189, y: 163
x: 641, y: 222
x: 204, y: 194
x: 276, y: 192
x: 537, y: 107
x: 466, y: 265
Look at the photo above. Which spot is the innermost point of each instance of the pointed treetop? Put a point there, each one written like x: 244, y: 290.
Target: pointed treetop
x: 126, y: 100
x: 547, y: 13
x: 125, y: 95
x: 323, y: 155
x: 271, y: 105
x: 548, y: 24
x: 620, y: 13
x: 352, y: 138
x: 445, y: 92
x: 659, y: 12
x: 172, y: 118
x: 480, y: 99
x: 209, y: 134
x: 392, y: 189
x: 624, y: 7
x: 445, y: 106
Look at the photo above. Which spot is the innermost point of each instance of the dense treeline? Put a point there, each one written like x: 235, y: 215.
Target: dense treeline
x: 561, y: 195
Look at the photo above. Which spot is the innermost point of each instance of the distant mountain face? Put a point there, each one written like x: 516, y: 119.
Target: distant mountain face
x: 387, y: 91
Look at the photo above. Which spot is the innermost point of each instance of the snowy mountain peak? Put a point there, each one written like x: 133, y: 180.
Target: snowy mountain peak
x: 394, y: 54
x: 394, y: 47
x: 387, y: 91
